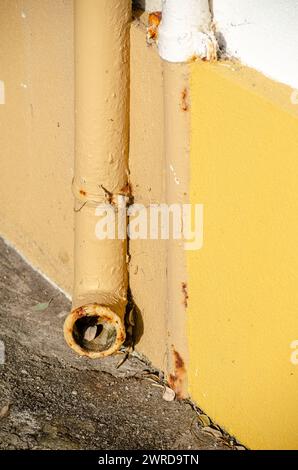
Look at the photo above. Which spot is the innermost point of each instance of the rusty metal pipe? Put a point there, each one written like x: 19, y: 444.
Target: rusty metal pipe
x: 95, y: 326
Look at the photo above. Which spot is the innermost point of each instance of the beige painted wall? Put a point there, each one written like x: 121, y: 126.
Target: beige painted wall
x: 148, y: 257
x: 37, y: 133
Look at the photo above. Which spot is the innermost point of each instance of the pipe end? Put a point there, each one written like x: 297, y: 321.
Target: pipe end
x: 94, y: 331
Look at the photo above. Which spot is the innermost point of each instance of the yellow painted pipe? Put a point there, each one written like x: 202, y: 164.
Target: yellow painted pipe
x: 95, y: 327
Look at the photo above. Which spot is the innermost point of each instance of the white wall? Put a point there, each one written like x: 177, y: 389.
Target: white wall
x: 262, y: 34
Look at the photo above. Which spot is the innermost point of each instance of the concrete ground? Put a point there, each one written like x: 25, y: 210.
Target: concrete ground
x: 52, y: 399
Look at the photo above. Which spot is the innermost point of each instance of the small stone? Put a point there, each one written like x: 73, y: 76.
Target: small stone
x: 4, y: 411
x: 213, y: 432
x: 90, y: 333
x: 169, y: 394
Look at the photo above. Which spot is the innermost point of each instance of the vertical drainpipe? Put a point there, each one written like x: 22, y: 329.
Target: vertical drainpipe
x: 186, y: 31
x: 95, y: 327
x: 185, y: 34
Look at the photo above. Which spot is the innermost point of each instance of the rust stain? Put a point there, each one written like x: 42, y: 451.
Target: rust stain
x: 108, y: 195
x: 121, y: 338
x: 193, y: 58
x: 126, y: 190
x: 78, y: 312
x: 179, y: 363
x: 105, y: 318
x: 185, y: 294
x: 154, y: 20
x: 151, y: 34
x: 177, y: 379
x: 184, y: 103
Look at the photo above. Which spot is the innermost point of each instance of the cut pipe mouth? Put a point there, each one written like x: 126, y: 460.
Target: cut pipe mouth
x: 94, y: 331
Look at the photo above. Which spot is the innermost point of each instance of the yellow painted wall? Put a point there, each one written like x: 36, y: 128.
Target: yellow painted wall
x: 243, y: 283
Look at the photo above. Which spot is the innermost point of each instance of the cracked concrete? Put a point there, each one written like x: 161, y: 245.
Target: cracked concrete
x: 52, y: 399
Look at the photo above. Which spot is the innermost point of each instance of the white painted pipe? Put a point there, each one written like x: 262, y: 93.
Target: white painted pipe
x: 186, y: 31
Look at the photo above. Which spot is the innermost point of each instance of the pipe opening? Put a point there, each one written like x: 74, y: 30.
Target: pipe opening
x: 94, y: 334
x: 94, y: 330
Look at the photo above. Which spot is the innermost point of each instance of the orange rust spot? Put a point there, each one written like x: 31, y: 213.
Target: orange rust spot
x: 177, y: 379
x: 152, y: 34
x: 179, y: 363
x: 83, y: 193
x: 121, y: 338
x: 193, y: 58
x: 154, y: 18
x: 126, y: 190
x: 78, y: 312
x: 185, y: 294
x: 172, y: 381
x: 105, y: 318
x: 184, y: 104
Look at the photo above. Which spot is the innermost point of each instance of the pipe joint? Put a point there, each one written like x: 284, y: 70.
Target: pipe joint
x: 186, y: 31
x: 101, y: 195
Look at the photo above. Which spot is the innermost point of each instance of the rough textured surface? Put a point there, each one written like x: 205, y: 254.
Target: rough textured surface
x: 52, y: 399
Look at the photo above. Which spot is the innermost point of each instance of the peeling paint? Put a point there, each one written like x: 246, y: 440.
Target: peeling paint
x: 176, y: 179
